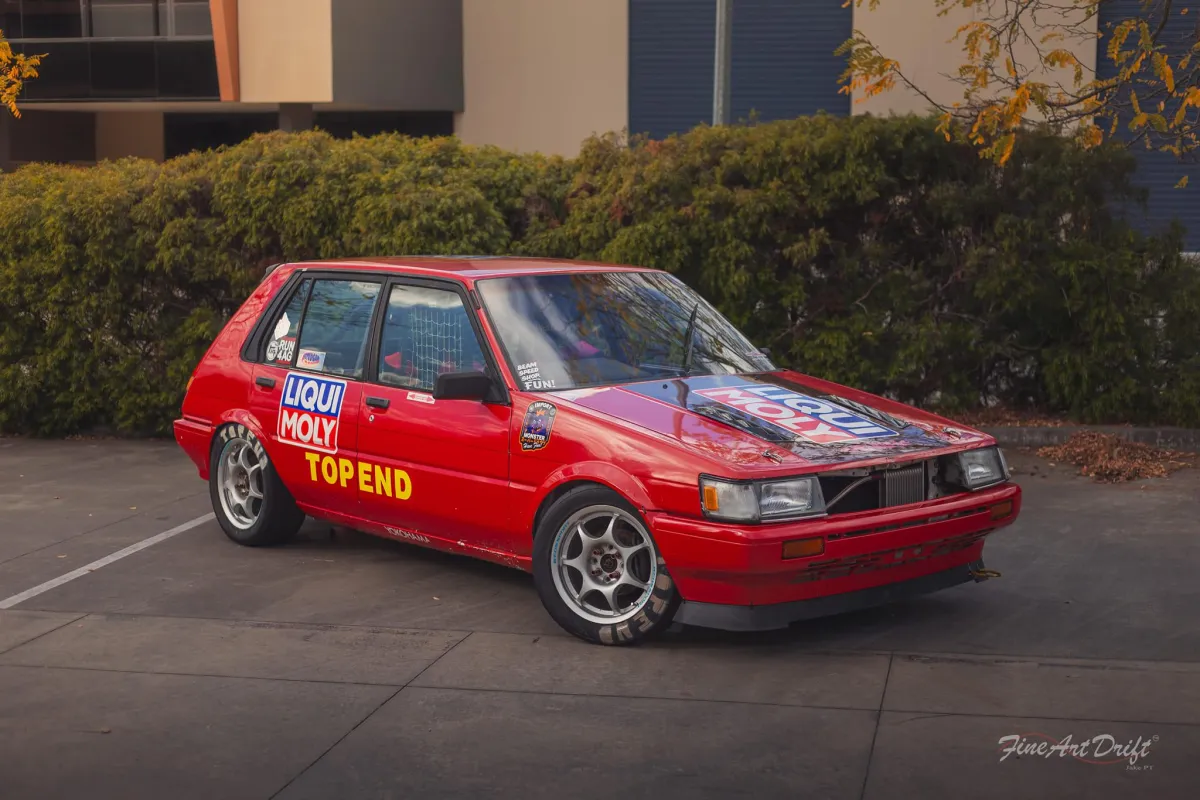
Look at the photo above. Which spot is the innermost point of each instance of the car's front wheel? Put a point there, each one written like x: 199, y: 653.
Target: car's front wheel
x: 598, y: 571
x: 252, y: 505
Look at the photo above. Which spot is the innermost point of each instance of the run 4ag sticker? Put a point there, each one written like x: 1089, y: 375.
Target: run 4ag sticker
x: 817, y: 421
x: 539, y: 422
x: 309, y: 411
x: 421, y: 397
x: 311, y: 359
x: 280, y: 350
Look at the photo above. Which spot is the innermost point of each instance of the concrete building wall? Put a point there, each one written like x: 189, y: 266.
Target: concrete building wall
x: 544, y: 74
x: 401, y: 55
x: 912, y: 33
x: 285, y: 51
x: 129, y: 133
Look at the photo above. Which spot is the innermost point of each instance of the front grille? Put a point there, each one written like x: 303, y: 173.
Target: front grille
x: 903, y: 486
x: 885, y: 488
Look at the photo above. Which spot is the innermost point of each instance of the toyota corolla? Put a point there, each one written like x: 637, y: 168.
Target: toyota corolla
x: 602, y: 427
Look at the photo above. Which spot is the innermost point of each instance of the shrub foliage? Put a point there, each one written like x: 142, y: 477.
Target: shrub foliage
x: 869, y: 251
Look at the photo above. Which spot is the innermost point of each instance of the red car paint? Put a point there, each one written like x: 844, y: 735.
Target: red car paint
x: 453, y: 475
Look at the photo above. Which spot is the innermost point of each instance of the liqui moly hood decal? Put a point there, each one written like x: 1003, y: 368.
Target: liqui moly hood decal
x: 816, y: 425
x: 309, y: 411
x: 817, y: 421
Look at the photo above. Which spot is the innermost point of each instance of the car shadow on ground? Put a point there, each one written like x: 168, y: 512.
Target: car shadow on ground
x: 320, y: 537
x: 825, y: 633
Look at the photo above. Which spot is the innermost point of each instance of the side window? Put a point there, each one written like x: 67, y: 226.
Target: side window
x: 333, y: 332
x: 426, y: 332
x: 281, y: 346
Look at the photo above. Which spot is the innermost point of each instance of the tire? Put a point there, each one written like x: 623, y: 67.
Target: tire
x: 269, y: 517
x: 646, y: 600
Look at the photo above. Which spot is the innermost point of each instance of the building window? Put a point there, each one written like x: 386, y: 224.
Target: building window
x: 50, y: 19
x: 10, y: 18
x: 191, y: 18
x: 123, y: 19
x: 105, y: 19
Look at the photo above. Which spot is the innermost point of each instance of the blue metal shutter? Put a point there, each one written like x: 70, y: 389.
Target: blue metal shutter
x: 671, y: 45
x: 1159, y: 172
x: 783, y: 61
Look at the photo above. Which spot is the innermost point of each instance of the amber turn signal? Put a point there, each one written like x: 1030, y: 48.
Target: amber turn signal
x: 711, y: 503
x: 802, y: 548
x: 1002, y: 510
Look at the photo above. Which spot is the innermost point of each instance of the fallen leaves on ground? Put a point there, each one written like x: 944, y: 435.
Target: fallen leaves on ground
x: 1111, y: 459
x: 1004, y: 417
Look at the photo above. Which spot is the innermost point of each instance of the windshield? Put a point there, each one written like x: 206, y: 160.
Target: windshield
x: 570, y: 331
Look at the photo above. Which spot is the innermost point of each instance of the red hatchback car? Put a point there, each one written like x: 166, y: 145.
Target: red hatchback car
x: 602, y: 427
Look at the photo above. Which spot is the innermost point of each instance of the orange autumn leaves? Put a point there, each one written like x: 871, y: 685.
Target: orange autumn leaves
x: 1020, y: 64
x: 15, y: 69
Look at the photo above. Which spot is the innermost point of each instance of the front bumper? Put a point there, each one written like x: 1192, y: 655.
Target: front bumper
x: 743, y: 565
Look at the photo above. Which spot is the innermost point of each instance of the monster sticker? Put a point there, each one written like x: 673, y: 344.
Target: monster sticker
x: 539, y: 422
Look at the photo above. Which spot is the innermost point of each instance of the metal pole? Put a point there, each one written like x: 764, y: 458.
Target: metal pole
x: 722, y: 63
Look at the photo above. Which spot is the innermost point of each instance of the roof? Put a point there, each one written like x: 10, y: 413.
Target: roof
x: 472, y: 267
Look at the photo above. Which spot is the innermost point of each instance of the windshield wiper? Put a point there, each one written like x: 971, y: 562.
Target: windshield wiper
x: 689, y: 340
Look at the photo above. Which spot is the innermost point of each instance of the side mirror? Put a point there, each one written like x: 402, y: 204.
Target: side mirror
x: 461, y: 386
x: 766, y: 351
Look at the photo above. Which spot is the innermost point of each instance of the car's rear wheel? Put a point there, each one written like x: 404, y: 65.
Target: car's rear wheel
x: 252, y: 505
x: 598, y: 571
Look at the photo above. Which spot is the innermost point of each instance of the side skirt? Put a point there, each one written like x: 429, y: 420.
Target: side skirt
x: 420, y: 538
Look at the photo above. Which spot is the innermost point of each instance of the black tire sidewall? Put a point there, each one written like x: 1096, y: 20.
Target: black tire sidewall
x: 658, y: 611
x: 278, y: 512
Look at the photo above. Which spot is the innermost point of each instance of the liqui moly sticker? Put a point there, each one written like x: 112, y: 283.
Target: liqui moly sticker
x: 309, y: 411
x: 816, y: 420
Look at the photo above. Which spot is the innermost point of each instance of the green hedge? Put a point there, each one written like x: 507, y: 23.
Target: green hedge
x: 870, y: 251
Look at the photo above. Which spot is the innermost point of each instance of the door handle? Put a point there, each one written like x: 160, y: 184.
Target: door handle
x: 378, y: 402
x: 265, y: 382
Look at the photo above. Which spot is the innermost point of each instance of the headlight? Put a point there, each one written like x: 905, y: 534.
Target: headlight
x: 977, y: 469
x: 761, y: 501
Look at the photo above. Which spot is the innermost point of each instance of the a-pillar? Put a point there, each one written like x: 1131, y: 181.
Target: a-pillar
x: 295, y: 116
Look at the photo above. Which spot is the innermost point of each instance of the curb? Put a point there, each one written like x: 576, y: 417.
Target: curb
x: 1185, y: 439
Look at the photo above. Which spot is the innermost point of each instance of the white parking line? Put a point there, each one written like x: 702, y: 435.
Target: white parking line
x: 9, y: 602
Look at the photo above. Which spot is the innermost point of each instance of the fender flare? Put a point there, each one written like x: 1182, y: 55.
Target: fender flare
x: 238, y: 416
x: 598, y: 472
x: 603, y: 473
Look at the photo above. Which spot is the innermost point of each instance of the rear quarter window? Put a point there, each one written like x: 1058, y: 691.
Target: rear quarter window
x: 280, y: 348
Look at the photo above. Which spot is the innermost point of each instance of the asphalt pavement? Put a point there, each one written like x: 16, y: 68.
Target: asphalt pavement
x: 343, y: 666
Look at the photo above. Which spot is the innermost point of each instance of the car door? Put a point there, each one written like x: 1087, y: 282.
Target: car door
x: 437, y: 468
x: 308, y: 384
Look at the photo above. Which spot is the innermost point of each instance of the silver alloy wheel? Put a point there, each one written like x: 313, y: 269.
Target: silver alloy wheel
x: 604, y: 564
x: 240, y: 483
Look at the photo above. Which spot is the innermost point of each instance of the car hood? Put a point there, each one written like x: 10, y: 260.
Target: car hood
x: 771, y: 420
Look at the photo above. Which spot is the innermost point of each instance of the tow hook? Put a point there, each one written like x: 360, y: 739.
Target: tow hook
x: 980, y: 573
